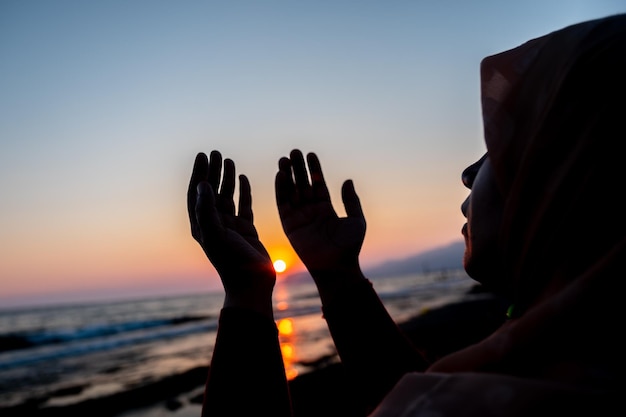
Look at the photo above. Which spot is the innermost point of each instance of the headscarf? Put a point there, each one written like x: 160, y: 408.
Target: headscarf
x: 554, y: 113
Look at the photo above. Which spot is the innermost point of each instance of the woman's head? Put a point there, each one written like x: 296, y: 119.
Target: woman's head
x: 554, y: 111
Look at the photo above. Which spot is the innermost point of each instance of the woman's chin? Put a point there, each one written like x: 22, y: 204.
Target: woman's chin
x: 480, y: 270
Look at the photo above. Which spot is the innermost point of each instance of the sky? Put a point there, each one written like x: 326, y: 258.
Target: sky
x: 104, y: 105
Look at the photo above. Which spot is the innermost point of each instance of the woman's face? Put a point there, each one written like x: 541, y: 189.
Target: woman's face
x: 483, y: 209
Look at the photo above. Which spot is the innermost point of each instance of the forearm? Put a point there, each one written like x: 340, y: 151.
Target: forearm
x: 371, y: 346
x: 247, y: 375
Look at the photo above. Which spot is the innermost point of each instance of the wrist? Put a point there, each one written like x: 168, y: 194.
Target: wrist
x: 332, y: 284
x: 261, y: 304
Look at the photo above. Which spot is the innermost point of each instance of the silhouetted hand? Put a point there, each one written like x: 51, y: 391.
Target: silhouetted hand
x: 229, y: 240
x: 326, y: 243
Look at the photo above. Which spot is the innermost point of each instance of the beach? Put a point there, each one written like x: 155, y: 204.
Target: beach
x: 157, y: 370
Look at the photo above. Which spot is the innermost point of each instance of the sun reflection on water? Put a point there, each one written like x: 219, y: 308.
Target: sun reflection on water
x: 303, y: 334
x: 287, y: 347
x: 286, y: 334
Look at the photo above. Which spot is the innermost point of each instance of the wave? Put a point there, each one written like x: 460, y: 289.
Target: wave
x: 77, y: 347
x: 137, y: 323
x: 31, y: 347
x: 16, y: 341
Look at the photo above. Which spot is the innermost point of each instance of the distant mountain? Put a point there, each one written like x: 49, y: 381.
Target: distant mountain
x: 448, y: 257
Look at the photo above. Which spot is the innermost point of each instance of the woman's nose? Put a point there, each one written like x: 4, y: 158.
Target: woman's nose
x: 469, y: 174
x: 467, y: 177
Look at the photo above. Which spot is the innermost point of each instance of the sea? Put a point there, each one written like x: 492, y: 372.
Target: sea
x: 72, y: 353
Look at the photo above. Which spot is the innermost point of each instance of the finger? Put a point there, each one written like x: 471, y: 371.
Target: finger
x: 215, y: 171
x: 318, y: 184
x: 199, y: 173
x: 245, y: 199
x: 206, y: 214
x: 225, y: 197
x: 300, y: 175
x: 351, y: 201
x: 284, y: 186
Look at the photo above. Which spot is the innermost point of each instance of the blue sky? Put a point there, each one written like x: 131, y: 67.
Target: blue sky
x: 103, y: 106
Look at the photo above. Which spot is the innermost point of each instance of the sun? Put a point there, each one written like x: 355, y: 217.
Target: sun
x: 279, y: 265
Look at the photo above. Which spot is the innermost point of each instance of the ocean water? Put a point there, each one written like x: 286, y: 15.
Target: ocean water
x: 71, y: 353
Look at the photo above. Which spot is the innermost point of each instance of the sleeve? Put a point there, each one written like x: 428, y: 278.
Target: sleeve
x: 373, y: 349
x: 483, y: 395
x: 247, y: 375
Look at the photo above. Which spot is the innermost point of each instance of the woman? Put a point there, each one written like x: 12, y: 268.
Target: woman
x: 544, y: 229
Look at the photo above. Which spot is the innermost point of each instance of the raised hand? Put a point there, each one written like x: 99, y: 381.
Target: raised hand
x: 329, y: 246
x: 229, y: 239
x: 326, y: 243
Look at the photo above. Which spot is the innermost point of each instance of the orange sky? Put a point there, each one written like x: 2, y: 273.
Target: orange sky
x: 105, y: 105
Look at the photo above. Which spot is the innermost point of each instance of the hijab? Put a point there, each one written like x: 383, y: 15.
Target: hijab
x: 554, y: 113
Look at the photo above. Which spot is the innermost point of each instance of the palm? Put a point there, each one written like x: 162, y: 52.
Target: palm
x: 321, y: 239
x: 229, y: 240
x: 237, y: 245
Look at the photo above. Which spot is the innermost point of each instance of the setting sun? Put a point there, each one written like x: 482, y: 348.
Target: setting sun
x: 280, y: 265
